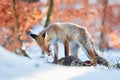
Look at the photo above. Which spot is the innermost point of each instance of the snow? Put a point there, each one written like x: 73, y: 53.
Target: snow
x: 77, y: 6
x: 112, y: 2
x: 93, y: 1
x: 15, y: 67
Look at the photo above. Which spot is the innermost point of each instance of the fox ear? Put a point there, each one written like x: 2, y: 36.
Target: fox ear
x: 43, y: 35
x: 34, y: 36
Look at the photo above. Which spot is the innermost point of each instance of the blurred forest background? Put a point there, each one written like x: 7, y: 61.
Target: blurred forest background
x: 100, y: 17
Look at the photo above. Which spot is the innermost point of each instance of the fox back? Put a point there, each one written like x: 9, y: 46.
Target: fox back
x: 66, y: 33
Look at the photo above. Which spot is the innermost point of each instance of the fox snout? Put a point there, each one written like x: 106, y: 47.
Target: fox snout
x: 40, y: 42
x: 48, y: 51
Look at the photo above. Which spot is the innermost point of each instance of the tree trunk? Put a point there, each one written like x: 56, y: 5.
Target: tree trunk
x: 103, y: 42
x: 48, y: 15
x: 21, y: 51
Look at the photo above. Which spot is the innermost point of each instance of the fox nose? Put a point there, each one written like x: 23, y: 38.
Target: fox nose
x: 48, y: 52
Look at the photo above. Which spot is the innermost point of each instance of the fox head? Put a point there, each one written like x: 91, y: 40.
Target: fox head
x: 40, y: 39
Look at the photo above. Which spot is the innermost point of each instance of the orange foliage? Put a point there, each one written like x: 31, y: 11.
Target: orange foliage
x: 90, y: 15
x: 28, y: 14
x: 114, y: 40
x: 82, y: 12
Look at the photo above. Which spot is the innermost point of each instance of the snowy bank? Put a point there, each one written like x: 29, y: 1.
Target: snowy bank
x: 14, y: 67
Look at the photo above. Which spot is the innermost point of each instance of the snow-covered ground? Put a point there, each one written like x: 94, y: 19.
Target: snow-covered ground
x: 14, y: 67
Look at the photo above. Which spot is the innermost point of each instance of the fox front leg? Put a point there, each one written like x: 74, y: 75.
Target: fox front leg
x: 66, y: 48
x: 55, y: 52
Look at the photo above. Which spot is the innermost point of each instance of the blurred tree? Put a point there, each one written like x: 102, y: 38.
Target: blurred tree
x: 103, y: 41
x: 21, y: 51
x: 100, y: 17
x: 30, y: 0
x: 49, y: 13
x: 17, y: 18
x: 47, y: 22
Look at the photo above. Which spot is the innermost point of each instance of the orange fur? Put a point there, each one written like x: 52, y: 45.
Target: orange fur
x: 66, y: 33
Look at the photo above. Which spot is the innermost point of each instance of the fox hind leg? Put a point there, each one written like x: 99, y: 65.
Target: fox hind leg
x: 87, y: 43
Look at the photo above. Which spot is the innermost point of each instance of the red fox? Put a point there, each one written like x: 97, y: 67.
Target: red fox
x: 71, y: 35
